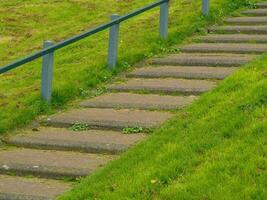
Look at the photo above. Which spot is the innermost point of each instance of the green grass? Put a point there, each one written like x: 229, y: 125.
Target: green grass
x: 81, y: 67
x: 213, y: 150
x: 132, y: 130
x: 79, y: 127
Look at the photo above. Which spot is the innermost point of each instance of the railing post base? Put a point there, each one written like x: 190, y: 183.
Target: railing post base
x: 205, y: 7
x: 164, y: 20
x: 113, y: 43
x: 47, y: 74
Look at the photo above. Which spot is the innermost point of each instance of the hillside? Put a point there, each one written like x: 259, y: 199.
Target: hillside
x: 25, y: 24
x: 215, y: 149
x: 189, y: 122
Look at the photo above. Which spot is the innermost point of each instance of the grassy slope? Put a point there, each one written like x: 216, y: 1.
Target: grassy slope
x: 25, y: 24
x: 213, y: 150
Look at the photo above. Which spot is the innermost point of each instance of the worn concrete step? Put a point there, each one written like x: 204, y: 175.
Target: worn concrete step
x: 224, y: 60
x: 197, y: 72
x: 109, y: 118
x: 18, y: 188
x: 138, y: 101
x: 262, y: 5
x: 233, y: 38
x: 50, y: 164
x: 256, y: 12
x: 225, y: 48
x: 258, y: 29
x: 247, y: 20
x: 91, y: 141
x: 165, y: 86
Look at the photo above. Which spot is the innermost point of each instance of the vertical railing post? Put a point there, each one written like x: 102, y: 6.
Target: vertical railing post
x: 113, y: 43
x: 205, y: 7
x: 164, y: 20
x: 47, y: 73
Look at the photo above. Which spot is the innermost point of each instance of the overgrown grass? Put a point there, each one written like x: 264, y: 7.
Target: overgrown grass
x: 25, y: 24
x: 214, y: 150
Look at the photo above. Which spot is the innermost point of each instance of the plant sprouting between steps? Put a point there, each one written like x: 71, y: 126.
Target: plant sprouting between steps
x: 133, y: 130
x: 79, y: 127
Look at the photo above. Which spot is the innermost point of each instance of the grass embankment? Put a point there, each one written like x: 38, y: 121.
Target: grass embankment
x: 214, y: 150
x: 25, y: 24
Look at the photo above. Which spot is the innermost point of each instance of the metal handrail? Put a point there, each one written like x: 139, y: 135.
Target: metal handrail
x: 76, y: 38
x: 49, y: 47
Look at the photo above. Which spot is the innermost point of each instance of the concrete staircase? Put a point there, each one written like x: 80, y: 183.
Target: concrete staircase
x: 144, y: 99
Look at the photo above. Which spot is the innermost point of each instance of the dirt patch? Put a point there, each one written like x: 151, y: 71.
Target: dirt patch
x: 5, y: 39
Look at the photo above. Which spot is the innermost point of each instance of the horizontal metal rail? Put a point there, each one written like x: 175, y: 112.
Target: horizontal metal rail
x: 76, y: 38
x: 49, y: 48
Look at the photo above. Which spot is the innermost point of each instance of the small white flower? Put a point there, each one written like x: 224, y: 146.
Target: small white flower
x: 5, y: 167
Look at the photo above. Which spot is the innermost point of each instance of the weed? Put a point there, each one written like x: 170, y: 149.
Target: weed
x: 79, y: 127
x: 132, y: 130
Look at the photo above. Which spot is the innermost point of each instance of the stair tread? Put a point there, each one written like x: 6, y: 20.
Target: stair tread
x: 262, y: 5
x: 248, y: 29
x: 256, y: 12
x: 48, y: 163
x: 110, y: 118
x: 247, y: 20
x: 139, y: 101
x: 225, y: 47
x: 183, y: 72
x: 204, y: 59
x: 165, y: 85
x: 92, y: 141
x: 18, y: 188
x: 233, y: 38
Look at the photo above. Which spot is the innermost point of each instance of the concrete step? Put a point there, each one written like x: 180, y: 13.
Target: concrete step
x: 18, y: 188
x: 233, y: 38
x: 91, y: 141
x: 167, y: 86
x: 256, y: 12
x: 214, y: 60
x: 183, y: 72
x: 109, y: 118
x: 260, y: 29
x: 262, y: 5
x: 50, y: 164
x: 247, y: 20
x: 225, y: 48
x: 138, y: 101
